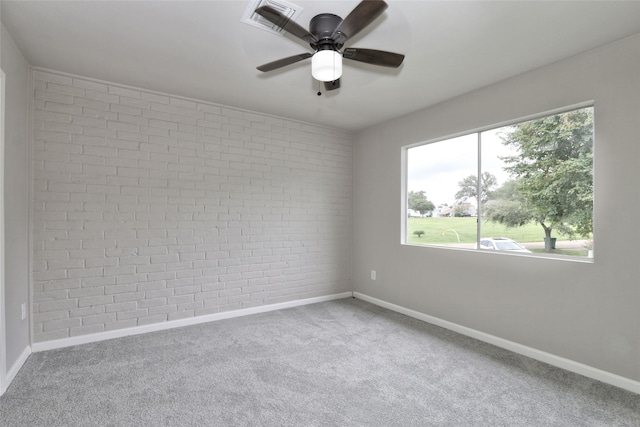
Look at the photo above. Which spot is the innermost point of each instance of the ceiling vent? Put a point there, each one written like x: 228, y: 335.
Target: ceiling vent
x: 291, y: 11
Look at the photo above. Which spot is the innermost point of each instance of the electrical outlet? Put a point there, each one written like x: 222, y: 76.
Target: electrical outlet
x: 24, y: 311
x: 373, y: 275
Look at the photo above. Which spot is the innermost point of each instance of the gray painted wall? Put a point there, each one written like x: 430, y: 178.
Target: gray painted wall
x: 589, y: 313
x: 16, y: 186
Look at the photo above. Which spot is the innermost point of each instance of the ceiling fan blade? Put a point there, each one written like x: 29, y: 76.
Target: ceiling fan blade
x: 375, y: 57
x: 332, y: 85
x: 363, y: 14
x: 284, y: 62
x: 275, y: 17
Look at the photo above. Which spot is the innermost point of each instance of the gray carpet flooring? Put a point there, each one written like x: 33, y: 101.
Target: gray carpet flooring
x: 339, y: 363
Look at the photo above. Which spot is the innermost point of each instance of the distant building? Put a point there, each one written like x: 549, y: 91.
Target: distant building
x: 414, y: 213
x: 463, y: 209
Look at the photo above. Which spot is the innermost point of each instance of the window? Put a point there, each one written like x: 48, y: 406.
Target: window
x: 525, y: 188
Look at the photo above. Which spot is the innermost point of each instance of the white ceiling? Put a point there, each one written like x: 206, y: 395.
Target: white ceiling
x: 202, y: 50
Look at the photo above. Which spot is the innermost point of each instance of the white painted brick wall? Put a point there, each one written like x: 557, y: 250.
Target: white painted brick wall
x: 149, y: 208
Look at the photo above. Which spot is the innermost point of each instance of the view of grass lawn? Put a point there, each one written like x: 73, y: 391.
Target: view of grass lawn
x: 445, y: 230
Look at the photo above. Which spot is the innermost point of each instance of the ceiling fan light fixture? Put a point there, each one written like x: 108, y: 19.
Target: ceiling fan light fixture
x: 326, y: 65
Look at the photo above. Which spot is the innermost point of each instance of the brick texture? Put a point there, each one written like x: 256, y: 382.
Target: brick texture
x: 149, y: 208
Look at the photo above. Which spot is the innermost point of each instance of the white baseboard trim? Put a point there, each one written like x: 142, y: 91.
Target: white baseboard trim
x: 551, y: 359
x: 11, y: 373
x: 137, y: 330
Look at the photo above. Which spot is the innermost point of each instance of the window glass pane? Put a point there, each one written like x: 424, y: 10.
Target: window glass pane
x: 439, y: 212
x: 537, y: 181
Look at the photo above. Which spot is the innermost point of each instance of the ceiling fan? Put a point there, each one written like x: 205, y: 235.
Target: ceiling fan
x: 327, y: 35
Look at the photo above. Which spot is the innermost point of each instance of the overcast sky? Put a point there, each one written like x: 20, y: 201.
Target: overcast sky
x: 437, y: 168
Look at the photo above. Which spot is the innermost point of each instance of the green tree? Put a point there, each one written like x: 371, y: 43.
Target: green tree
x: 417, y: 200
x: 553, y: 173
x: 508, y: 206
x: 469, y: 188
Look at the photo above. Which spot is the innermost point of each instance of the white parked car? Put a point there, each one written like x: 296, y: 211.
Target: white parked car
x: 501, y: 244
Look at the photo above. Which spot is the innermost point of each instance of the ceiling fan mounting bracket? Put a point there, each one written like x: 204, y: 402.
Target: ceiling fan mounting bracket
x: 323, y: 26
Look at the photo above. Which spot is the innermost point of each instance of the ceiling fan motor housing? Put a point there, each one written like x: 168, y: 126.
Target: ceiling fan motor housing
x: 322, y: 26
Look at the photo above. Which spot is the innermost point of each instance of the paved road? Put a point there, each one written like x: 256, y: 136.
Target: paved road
x: 560, y: 244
